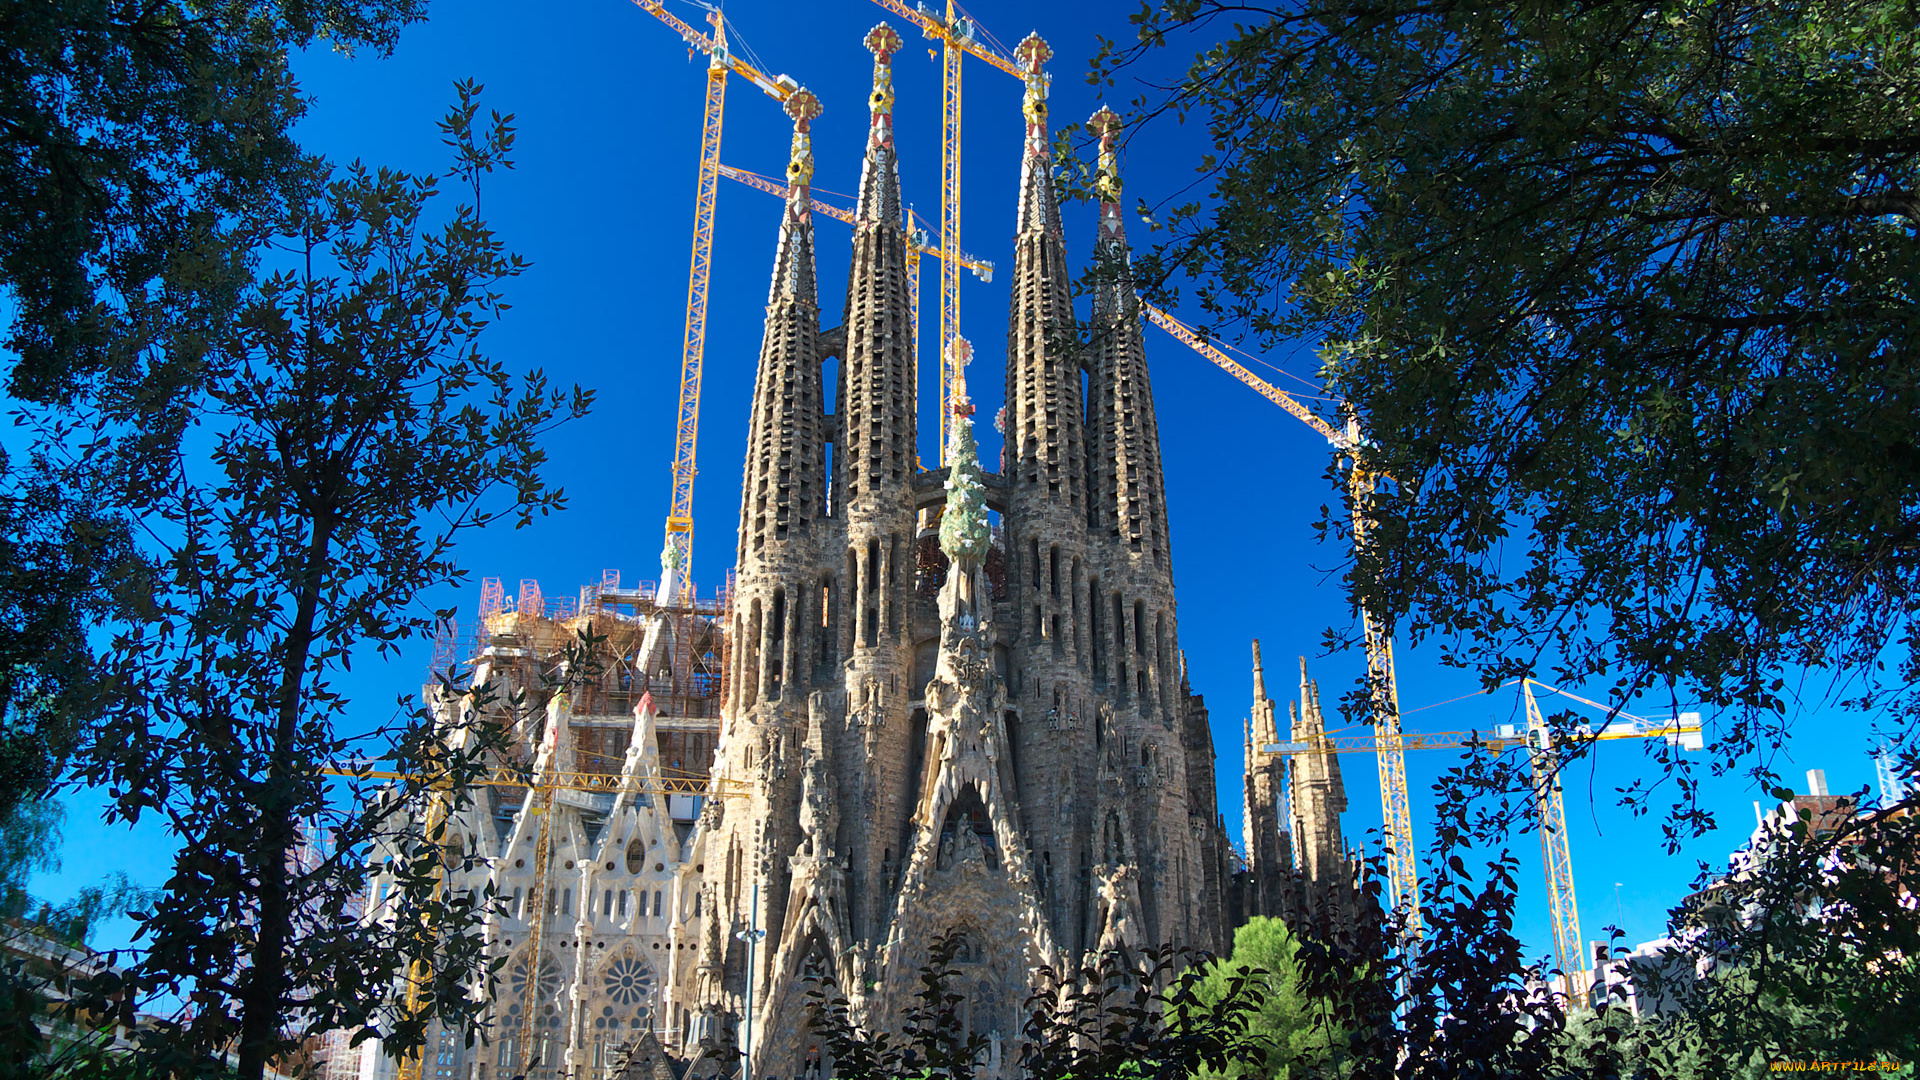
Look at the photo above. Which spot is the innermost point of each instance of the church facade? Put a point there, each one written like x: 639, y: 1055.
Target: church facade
x: 971, y: 728
x: 936, y: 702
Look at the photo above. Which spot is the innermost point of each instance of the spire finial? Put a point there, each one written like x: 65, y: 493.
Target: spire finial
x: 882, y: 41
x: 793, y: 262
x: 1032, y: 53
x: 1259, y: 675
x: 803, y: 107
x: 961, y: 353
x: 1107, y: 124
x: 880, y: 174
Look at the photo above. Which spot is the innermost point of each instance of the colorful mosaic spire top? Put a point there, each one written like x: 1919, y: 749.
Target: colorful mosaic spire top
x: 803, y: 107
x: 1107, y: 124
x: 1032, y: 53
x: 883, y: 42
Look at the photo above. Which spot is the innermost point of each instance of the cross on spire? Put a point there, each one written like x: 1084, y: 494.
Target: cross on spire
x: 962, y: 354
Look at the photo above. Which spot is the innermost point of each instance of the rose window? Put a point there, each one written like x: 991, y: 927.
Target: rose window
x: 546, y: 991
x: 629, y: 980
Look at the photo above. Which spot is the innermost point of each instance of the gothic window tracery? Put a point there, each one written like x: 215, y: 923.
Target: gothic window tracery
x: 628, y: 980
x: 546, y: 992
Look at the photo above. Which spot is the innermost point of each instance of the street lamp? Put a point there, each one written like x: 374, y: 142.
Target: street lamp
x: 753, y: 935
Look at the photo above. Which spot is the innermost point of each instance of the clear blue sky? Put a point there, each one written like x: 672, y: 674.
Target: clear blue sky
x: 608, y: 105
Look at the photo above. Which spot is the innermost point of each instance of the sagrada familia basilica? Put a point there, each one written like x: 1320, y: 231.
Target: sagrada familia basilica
x: 937, y: 703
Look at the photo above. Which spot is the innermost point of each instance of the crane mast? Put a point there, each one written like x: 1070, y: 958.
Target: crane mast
x: 676, y: 558
x: 420, y: 972
x: 540, y: 801
x: 1543, y: 762
x: 956, y: 36
x: 950, y: 72
x: 1396, y: 812
x: 1548, y: 795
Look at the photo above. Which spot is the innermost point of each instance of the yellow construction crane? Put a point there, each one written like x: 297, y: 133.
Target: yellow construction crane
x: 677, y: 558
x: 916, y: 245
x: 1543, y: 761
x: 420, y: 972
x: 1396, y: 811
x: 1390, y: 743
x: 957, y: 34
x: 1543, y: 765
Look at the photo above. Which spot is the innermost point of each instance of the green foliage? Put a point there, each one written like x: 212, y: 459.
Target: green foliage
x: 145, y: 144
x: 64, y: 565
x: 354, y: 429
x: 1121, y: 1018
x: 29, y: 844
x: 1622, y: 294
x: 963, y: 526
x: 1290, y: 1033
x: 178, y: 268
x: 145, y: 141
x: 1811, y: 952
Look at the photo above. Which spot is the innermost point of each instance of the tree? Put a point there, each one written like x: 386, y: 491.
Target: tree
x: 141, y: 141
x: 141, y: 146
x: 1809, y: 949
x: 354, y: 429
x: 58, y: 557
x: 1120, y: 1017
x: 1291, y: 1035
x: 1621, y: 294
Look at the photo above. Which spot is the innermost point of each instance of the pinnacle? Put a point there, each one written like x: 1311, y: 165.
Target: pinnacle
x: 1037, y: 207
x: 793, y: 269
x: 880, y: 174
x: 1107, y: 124
x: 1259, y: 675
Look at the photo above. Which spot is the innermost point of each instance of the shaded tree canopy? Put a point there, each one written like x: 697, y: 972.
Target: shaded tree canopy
x: 1622, y: 294
x: 143, y: 146
x: 135, y: 137
x: 356, y: 428
x: 57, y: 555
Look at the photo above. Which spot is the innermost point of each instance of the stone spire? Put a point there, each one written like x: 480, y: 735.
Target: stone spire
x: 874, y: 571
x: 1259, y: 677
x: 880, y: 375
x: 1111, y: 241
x: 1319, y: 798
x: 793, y: 271
x: 880, y: 174
x: 1038, y: 210
x: 785, y: 479
x: 1046, y: 434
x: 1127, y: 442
x: 1269, y: 846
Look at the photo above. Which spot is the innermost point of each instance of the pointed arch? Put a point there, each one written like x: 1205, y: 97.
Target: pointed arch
x: 968, y: 809
x: 1114, y: 848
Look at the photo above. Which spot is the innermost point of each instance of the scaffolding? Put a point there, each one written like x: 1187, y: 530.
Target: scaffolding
x: 676, y: 653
